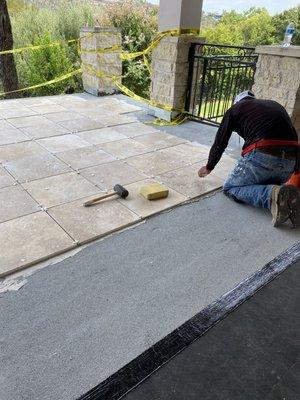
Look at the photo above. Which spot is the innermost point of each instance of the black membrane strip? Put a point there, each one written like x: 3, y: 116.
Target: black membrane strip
x: 132, y: 374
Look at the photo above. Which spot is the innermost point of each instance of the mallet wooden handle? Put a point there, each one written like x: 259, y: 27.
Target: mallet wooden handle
x: 106, y: 196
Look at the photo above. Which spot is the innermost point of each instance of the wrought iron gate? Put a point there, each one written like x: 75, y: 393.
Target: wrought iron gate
x: 217, y: 74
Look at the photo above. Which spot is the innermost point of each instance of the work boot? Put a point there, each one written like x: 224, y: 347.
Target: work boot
x: 294, y: 204
x: 280, y: 204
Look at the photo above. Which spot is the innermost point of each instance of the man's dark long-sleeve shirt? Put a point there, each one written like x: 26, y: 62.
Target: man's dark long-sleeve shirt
x: 253, y: 120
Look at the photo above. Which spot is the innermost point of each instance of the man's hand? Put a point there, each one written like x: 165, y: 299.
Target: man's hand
x: 203, y: 172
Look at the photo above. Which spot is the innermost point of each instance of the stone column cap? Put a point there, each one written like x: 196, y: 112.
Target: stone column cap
x: 291, y: 51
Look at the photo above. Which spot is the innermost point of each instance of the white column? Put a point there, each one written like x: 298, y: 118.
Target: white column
x: 170, y: 58
x: 179, y: 14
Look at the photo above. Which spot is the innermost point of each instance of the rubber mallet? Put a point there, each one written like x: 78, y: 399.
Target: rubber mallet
x: 119, y: 191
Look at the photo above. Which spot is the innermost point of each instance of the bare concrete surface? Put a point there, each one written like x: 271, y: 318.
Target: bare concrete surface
x: 75, y: 323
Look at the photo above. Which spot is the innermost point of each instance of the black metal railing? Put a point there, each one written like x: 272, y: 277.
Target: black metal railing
x: 217, y: 74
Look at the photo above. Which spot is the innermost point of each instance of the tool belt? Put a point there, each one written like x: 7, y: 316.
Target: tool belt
x: 279, y: 148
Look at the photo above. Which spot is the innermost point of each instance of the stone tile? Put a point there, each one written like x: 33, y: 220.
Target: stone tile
x: 16, y: 112
x: 120, y: 108
x: 29, y: 121
x: 117, y: 119
x: 224, y: 167
x: 5, y: 178
x: 107, y: 176
x: 126, y: 107
x: 43, y: 131
x: 125, y: 148
x: 145, y: 208
x: 81, y: 124
x: 36, y: 101
x: 88, y: 223
x: 29, y: 239
x: 9, y: 104
x: 189, y: 153
x: 135, y: 129
x: 103, y: 135
x: 63, y: 116
x: 15, y: 202
x: 56, y: 144
x: 12, y: 152
x: 155, y: 163
x: 47, y: 108
x: 186, y: 181
x: 159, y: 140
x: 28, y: 168
x: 10, y: 135
x: 60, y: 189
x: 85, y: 157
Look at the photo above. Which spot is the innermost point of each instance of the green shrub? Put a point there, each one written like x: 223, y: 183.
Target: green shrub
x: 42, y: 23
x: 137, y: 21
x: 43, y: 65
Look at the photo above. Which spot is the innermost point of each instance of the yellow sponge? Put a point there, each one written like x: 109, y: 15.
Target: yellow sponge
x: 154, y: 191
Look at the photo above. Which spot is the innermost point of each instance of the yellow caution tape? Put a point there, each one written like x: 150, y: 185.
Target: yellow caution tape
x: 116, y: 79
x: 42, y: 46
x: 111, y: 49
x: 147, y: 64
x: 51, y: 82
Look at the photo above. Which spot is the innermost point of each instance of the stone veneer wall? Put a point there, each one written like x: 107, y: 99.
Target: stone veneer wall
x: 170, y: 71
x: 277, y: 78
x: 108, y: 63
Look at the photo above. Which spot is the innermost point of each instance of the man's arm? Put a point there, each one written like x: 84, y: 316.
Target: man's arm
x: 221, y: 141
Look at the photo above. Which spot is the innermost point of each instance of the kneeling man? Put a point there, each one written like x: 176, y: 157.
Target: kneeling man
x: 270, y: 156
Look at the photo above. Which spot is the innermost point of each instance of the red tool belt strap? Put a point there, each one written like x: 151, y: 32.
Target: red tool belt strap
x: 272, y: 143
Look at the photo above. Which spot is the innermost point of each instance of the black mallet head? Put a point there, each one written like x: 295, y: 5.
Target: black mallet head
x: 121, y: 191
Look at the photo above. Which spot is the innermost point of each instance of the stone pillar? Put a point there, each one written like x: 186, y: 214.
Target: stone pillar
x: 110, y: 64
x: 170, y: 58
x: 277, y: 78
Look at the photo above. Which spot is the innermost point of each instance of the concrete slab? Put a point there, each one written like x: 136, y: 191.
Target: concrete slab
x: 89, y: 223
x: 60, y: 189
x: 16, y: 202
x: 91, y: 314
x: 46, y: 239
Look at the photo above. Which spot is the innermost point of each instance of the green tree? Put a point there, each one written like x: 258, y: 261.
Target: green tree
x: 44, y: 65
x: 8, y: 70
x: 280, y: 22
x: 137, y: 21
x: 252, y: 27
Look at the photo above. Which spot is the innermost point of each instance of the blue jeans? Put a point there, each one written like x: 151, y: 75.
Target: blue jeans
x: 253, y: 177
